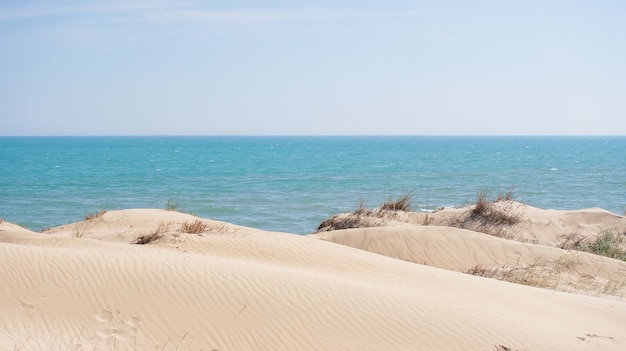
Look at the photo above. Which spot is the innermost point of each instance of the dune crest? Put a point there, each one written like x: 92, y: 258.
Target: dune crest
x: 509, y: 241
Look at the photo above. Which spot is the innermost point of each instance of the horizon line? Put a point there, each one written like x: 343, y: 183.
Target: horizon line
x: 301, y: 135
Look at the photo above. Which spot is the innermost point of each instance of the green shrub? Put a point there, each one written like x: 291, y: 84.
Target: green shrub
x: 171, y: 205
x: 609, y: 244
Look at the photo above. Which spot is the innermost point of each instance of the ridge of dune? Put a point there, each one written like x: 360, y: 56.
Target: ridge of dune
x: 84, y: 286
x: 513, y: 242
x: 464, y: 250
x: 544, y: 227
x: 534, y: 225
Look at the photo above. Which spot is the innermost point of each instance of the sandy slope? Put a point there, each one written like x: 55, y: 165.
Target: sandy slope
x: 529, y: 251
x: 84, y: 286
x: 463, y: 250
x: 539, y: 226
x: 535, y: 225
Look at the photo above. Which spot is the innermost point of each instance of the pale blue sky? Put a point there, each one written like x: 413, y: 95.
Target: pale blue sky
x: 312, y: 67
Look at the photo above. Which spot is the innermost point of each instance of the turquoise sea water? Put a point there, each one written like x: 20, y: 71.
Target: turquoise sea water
x: 292, y: 183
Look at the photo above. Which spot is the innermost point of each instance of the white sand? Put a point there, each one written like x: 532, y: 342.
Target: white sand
x: 84, y: 287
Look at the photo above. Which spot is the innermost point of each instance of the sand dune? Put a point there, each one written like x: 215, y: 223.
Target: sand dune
x: 539, y: 226
x: 533, y: 225
x: 84, y: 286
x: 463, y: 251
x: 530, y: 246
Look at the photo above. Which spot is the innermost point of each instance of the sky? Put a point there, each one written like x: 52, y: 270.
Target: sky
x: 287, y: 67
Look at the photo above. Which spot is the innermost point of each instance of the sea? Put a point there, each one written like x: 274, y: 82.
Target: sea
x: 292, y: 183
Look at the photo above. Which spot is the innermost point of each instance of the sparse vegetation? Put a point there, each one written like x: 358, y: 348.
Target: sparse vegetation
x: 427, y: 219
x: 497, y: 216
x: 485, y: 211
x: 171, y: 205
x: 550, y: 275
x: 505, y: 196
x: 539, y: 273
x: 195, y: 227
x: 93, y: 215
x: 482, y: 204
x: 613, y: 287
x: 148, y: 238
x: 572, y: 241
x: 360, y: 209
x: 342, y: 221
x: 402, y: 204
x: 78, y: 231
x: 610, y: 244
x: 566, y: 263
x: 81, y: 228
x: 362, y: 217
x: 534, y: 274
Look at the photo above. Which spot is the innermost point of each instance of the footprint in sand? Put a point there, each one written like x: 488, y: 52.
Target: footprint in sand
x: 27, y: 307
x: 113, y: 326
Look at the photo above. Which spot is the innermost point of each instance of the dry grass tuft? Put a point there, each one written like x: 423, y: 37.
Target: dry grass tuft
x: 503, y: 348
x: 171, y: 205
x: 482, y: 204
x: 93, y: 215
x: 148, y: 238
x: 485, y: 211
x: 195, y: 227
x: 360, y: 208
x: 362, y: 217
x: 498, y: 217
x: 572, y: 241
x: 505, y: 196
x: 345, y: 221
x: 427, y: 219
x: 79, y: 231
x: 81, y: 228
x: 402, y: 204
x: 539, y: 273
x: 566, y: 263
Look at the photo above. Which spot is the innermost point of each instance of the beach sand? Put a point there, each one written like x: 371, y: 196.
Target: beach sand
x: 86, y: 286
